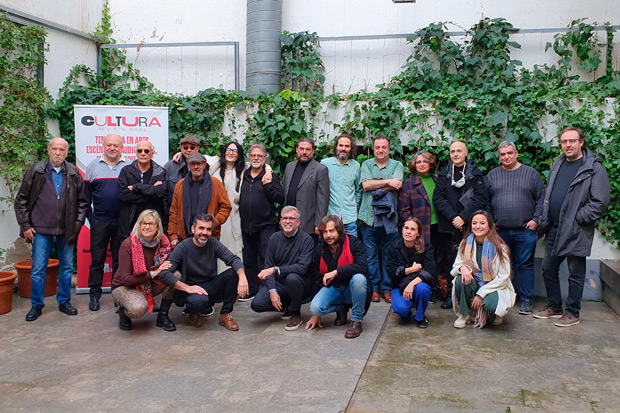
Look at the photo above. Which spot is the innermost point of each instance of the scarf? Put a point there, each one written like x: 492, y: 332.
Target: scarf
x: 488, y: 254
x: 139, y: 266
x: 204, y: 199
x: 461, y: 181
x: 345, y: 257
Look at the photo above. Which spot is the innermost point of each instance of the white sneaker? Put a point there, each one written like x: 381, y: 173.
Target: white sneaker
x: 461, y: 321
x: 498, y: 320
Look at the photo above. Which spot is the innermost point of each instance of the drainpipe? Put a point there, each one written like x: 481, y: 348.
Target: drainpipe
x: 264, y: 26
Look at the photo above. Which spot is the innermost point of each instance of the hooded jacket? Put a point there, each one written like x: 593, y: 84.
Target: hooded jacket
x: 586, y: 201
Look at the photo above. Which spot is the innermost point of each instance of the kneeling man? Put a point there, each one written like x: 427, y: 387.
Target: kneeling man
x: 194, y: 258
x: 287, y: 273
x: 340, y: 259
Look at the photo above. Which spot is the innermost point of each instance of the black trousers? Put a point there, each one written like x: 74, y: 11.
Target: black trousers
x: 255, y: 246
x: 447, y: 250
x: 102, y: 233
x: 293, y: 290
x: 222, y: 287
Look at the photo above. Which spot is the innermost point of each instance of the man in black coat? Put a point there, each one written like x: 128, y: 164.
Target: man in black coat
x: 460, y: 191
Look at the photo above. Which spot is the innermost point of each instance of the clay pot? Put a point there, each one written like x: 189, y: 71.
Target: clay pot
x: 7, y: 282
x: 51, y: 279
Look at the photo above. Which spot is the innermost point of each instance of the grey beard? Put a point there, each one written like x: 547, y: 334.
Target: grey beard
x: 343, y: 157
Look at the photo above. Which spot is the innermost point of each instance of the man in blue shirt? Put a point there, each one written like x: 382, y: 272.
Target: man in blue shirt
x: 344, y: 183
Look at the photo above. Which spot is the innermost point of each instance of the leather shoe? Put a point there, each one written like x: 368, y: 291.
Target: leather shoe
x: 376, y: 297
x: 195, y: 320
x: 228, y: 322
x: 341, y: 318
x: 93, y: 305
x: 67, y: 308
x: 387, y: 297
x: 354, y: 330
x: 447, y: 303
x: 34, y: 313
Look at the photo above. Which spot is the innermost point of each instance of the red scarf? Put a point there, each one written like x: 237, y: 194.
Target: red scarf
x: 345, y: 258
x: 139, y: 266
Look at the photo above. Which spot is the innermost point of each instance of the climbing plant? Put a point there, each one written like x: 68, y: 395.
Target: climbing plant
x: 23, y: 133
x: 302, y: 67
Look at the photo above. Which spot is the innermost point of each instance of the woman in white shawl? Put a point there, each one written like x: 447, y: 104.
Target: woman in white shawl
x: 481, y: 274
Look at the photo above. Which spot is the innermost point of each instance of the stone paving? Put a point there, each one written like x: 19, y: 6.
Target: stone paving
x: 86, y: 364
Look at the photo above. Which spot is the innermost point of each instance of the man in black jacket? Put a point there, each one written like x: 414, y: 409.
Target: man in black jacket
x: 340, y: 261
x: 258, y: 196
x: 460, y: 191
x: 287, y: 273
x: 577, y: 196
x: 51, y: 208
x: 141, y: 185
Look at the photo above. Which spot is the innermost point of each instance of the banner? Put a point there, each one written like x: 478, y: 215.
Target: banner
x: 133, y: 124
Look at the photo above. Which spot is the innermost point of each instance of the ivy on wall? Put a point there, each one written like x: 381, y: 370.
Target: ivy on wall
x: 23, y: 134
x: 473, y: 91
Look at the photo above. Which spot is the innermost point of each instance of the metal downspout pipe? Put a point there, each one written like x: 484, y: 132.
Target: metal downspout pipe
x: 264, y: 26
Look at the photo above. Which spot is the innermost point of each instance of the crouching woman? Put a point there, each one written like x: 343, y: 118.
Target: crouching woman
x: 481, y: 274
x: 141, y: 258
x: 411, y: 266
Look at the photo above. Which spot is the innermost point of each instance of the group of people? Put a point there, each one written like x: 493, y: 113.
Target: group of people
x: 203, y: 229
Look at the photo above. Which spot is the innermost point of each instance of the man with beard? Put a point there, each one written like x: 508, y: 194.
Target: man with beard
x: 195, y: 258
x: 258, y: 195
x: 344, y: 183
x: 306, y: 187
x: 460, y: 191
x: 175, y: 171
x: 340, y: 261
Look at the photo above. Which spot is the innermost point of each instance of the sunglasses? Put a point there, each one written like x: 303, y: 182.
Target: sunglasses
x: 188, y: 147
x: 143, y: 150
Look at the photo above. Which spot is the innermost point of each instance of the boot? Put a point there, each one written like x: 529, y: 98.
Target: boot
x: 163, y: 320
x: 124, y: 322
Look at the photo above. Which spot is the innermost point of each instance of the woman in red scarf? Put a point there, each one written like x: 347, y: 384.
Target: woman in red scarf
x: 141, y: 258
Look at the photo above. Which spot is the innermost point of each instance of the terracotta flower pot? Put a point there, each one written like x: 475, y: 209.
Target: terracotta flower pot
x: 7, y: 282
x: 51, y: 279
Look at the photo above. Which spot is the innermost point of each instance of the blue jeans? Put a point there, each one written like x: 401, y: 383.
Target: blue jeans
x: 421, y: 296
x: 522, y: 244
x: 351, y: 229
x: 333, y: 299
x: 551, y: 275
x: 41, y: 248
x: 377, y: 245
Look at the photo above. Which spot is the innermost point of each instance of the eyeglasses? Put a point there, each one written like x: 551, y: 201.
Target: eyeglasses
x: 257, y: 155
x: 188, y: 147
x: 148, y: 224
x: 147, y: 151
x: 231, y: 150
x: 289, y: 219
x: 567, y: 141
x: 421, y: 161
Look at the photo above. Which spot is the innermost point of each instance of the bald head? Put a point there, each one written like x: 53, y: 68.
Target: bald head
x: 458, y: 153
x: 57, y: 150
x: 112, y: 148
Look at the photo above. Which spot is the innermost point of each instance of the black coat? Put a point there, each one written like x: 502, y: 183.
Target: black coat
x: 257, y: 201
x: 398, y: 262
x: 450, y: 201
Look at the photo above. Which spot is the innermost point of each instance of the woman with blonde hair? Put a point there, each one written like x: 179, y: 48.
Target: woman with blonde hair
x: 481, y: 274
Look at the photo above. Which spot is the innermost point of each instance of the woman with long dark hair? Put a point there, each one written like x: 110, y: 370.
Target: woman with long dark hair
x: 481, y: 274
x: 411, y: 266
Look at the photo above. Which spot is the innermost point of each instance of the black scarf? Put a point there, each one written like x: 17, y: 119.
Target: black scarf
x: 206, y: 191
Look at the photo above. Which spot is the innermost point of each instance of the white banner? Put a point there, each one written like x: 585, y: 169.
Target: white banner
x: 133, y: 124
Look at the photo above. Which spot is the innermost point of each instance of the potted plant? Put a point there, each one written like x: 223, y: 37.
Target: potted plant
x: 7, y: 282
x: 23, y: 281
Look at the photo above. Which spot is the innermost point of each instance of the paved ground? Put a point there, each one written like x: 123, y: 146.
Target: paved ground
x: 85, y: 363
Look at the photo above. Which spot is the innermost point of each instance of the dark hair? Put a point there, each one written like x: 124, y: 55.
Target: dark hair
x: 307, y: 140
x: 582, y: 137
x: 376, y: 138
x: 337, y: 223
x: 239, y: 164
x: 418, y: 243
x: 350, y: 138
x: 202, y: 217
x: 493, y: 237
x: 425, y: 154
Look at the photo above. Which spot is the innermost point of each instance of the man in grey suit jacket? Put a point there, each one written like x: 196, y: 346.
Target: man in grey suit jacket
x: 306, y: 186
